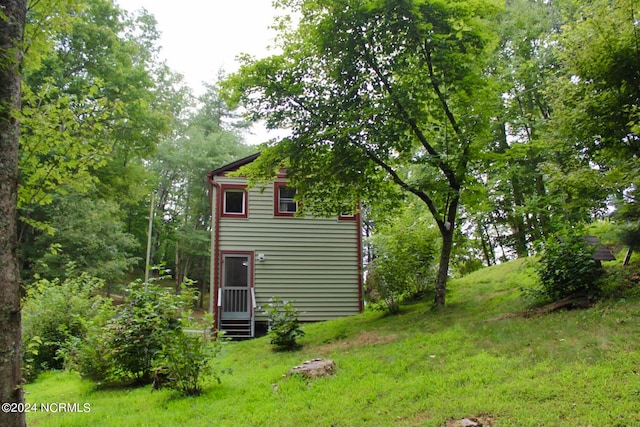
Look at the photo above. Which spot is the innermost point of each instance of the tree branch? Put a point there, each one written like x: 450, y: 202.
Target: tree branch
x: 441, y: 97
x: 453, y: 181
x: 442, y: 165
x: 396, y: 178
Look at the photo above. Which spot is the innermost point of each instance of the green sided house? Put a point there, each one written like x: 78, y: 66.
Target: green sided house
x: 260, y: 249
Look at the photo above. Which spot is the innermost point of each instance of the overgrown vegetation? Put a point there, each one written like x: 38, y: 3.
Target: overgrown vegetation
x: 567, y: 268
x: 483, y: 355
x: 68, y: 325
x: 56, y: 314
x: 186, y: 360
x: 284, y: 326
x: 149, y: 318
x: 404, y: 254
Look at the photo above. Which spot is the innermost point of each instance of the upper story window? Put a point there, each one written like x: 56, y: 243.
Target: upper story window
x: 347, y: 217
x: 284, y: 203
x: 234, y: 201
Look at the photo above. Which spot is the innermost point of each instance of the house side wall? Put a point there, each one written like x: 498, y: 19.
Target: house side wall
x: 313, y: 262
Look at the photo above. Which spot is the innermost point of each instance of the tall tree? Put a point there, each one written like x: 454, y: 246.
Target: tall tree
x: 597, y: 102
x: 96, y: 102
x: 516, y: 202
x: 12, y: 20
x: 89, y: 234
x: 182, y: 198
x: 379, y: 95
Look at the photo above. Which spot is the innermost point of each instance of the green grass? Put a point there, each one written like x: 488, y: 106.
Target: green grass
x: 420, y: 367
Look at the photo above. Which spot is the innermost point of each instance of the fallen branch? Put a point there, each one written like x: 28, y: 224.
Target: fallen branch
x: 570, y: 303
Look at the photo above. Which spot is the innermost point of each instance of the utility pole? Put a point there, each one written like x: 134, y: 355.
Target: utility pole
x: 147, y: 267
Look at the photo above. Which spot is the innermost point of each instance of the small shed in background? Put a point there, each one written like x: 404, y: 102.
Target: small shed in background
x: 601, y: 253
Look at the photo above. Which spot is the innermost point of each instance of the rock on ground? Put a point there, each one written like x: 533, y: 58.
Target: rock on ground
x: 314, y: 368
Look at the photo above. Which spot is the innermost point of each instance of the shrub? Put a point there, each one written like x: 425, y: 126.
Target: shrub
x: 284, y: 326
x: 403, y: 268
x: 384, y: 290
x: 567, y: 268
x: 145, y: 336
x: 148, y: 319
x: 90, y: 356
x: 404, y: 263
x: 186, y: 359
x: 54, y: 317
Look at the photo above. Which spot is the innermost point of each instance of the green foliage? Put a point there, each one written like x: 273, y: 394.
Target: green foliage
x: 511, y: 206
x: 380, y: 97
x: 89, y: 233
x: 284, y: 326
x: 95, y: 102
x: 404, y: 265
x: 358, y: 85
x: 148, y: 319
x: 90, y: 356
x: 595, y: 101
x: 186, y: 360
x: 92, y: 96
x: 629, y: 212
x: 567, y: 268
x: 630, y: 236
x: 55, y: 314
x: 145, y: 339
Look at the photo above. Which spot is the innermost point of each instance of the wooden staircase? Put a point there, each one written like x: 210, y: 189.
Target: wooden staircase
x: 237, y: 328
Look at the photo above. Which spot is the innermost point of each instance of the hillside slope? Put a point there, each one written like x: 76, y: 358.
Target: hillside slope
x: 420, y: 367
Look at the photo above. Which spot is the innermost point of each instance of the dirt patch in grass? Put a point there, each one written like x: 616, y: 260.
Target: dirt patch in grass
x: 363, y: 339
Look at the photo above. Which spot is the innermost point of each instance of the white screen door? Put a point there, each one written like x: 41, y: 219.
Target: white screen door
x: 236, y: 292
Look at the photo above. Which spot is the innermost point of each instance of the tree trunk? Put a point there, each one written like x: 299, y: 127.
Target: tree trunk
x: 627, y: 257
x: 11, y: 33
x: 485, y: 242
x: 443, y: 267
x: 517, y: 221
x: 177, y: 270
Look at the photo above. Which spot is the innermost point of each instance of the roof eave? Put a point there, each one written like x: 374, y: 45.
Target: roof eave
x: 233, y: 166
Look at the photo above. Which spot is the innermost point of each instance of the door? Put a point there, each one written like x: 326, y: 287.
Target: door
x: 236, y: 286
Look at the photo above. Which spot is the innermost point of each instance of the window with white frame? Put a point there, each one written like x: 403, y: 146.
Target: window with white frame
x: 234, y: 202
x: 285, y: 204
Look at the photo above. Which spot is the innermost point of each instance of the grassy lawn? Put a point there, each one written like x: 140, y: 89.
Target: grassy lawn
x: 420, y: 367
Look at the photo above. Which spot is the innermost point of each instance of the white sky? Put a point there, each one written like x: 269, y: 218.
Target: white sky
x: 199, y: 37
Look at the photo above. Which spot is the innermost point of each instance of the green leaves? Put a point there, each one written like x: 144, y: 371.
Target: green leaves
x: 92, y: 96
x: 363, y: 89
x: 88, y: 233
x: 379, y: 96
x: 148, y: 319
x: 405, y: 250
x: 55, y: 315
x: 284, y: 327
x: 55, y: 156
x: 597, y: 101
x: 567, y: 268
x: 95, y: 103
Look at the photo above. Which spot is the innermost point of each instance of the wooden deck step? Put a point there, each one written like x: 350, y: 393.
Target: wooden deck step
x: 237, y: 328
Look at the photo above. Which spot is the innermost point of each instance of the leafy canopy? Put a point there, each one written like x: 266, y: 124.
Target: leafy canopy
x: 367, y: 89
x: 379, y: 96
